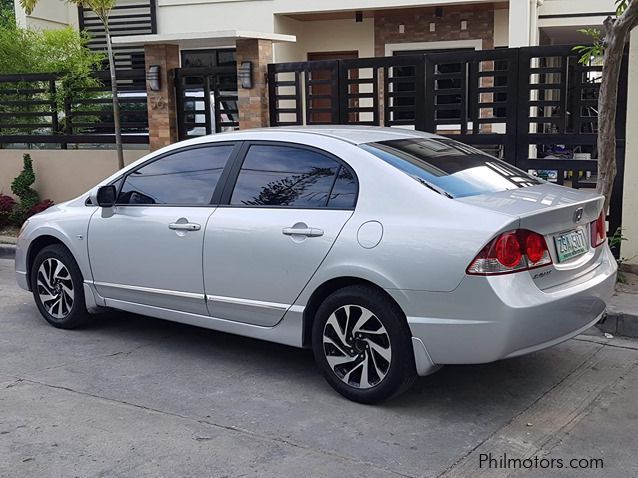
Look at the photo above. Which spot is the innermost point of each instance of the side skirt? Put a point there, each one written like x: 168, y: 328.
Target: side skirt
x: 288, y: 331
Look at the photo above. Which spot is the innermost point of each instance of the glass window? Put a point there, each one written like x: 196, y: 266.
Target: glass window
x: 186, y: 177
x: 286, y: 176
x: 344, y: 192
x: 209, y: 58
x: 449, y: 167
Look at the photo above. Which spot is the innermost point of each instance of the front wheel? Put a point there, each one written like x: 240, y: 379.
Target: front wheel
x: 362, y: 345
x: 58, y: 290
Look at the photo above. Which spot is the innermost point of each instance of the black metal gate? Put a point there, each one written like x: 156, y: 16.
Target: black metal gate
x: 206, y: 100
x: 534, y: 107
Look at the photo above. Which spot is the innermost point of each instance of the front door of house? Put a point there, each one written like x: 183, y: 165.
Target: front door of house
x: 323, y: 104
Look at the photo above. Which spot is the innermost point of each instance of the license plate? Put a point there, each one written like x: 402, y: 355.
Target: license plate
x: 570, y: 244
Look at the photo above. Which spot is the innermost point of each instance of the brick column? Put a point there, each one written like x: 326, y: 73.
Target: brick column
x: 162, y: 109
x: 253, y: 102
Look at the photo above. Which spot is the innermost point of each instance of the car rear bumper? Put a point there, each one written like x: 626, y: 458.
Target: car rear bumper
x: 491, y: 318
x: 21, y: 263
x: 21, y: 279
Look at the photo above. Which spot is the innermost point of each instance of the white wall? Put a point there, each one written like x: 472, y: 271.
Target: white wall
x: 177, y: 16
x: 598, y: 9
x: 309, y: 6
x: 324, y: 36
x: 629, y: 248
x: 60, y: 174
x: 570, y: 7
x: 501, y: 27
x: 48, y: 14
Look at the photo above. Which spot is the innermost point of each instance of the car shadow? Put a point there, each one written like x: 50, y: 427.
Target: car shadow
x: 488, y: 390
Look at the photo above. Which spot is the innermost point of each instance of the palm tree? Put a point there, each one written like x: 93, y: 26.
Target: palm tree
x: 102, y: 9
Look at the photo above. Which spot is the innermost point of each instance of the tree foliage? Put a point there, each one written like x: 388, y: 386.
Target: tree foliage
x: 102, y: 8
x: 46, y: 51
x: 596, y: 50
x: 61, y: 51
x: 7, y: 13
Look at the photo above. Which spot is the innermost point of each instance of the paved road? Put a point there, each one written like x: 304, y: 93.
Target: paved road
x: 133, y: 396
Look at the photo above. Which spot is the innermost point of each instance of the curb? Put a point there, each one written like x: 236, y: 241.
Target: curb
x: 7, y: 251
x: 619, y: 324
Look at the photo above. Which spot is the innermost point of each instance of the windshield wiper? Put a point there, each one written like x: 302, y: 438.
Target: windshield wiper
x: 433, y: 187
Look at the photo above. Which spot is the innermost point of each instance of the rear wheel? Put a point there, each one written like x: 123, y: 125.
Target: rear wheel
x: 58, y: 290
x: 362, y: 345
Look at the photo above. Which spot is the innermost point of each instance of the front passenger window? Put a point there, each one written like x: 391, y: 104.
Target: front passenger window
x: 186, y: 177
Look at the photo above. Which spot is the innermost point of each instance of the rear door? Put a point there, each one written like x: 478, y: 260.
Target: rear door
x: 282, y: 210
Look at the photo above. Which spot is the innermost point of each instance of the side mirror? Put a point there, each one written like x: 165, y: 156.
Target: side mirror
x: 106, y: 196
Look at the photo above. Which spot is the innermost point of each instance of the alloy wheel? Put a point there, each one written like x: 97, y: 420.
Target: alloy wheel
x: 357, y: 346
x: 55, y: 288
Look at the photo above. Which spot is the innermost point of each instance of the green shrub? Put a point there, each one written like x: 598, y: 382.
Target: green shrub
x: 27, y: 196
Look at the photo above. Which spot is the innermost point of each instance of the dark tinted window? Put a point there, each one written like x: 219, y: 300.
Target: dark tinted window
x: 287, y: 176
x: 450, y: 167
x: 344, y: 192
x: 185, y: 177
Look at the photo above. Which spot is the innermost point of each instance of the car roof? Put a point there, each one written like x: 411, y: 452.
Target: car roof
x: 352, y: 134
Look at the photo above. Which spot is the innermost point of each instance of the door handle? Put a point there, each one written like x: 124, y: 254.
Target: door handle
x: 306, y: 231
x: 186, y: 226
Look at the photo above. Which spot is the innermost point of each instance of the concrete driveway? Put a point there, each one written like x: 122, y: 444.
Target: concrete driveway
x: 133, y: 396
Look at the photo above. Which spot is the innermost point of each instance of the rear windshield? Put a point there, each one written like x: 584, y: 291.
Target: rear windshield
x: 449, y: 167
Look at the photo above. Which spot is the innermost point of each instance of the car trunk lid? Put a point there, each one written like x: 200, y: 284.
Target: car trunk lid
x: 555, y: 212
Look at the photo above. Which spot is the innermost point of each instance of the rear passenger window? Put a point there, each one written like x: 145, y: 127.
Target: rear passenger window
x: 344, y: 192
x: 292, y: 177
x: 186, y: 177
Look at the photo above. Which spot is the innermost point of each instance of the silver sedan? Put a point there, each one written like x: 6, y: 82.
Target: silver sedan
x: 389, y: 252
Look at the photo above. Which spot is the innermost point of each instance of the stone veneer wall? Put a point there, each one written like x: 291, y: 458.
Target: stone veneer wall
x: 253, y: 102
x: 480, y: 25
x: 162, y: 110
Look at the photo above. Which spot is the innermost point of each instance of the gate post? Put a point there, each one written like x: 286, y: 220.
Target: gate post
x: 253, y: 102
x: 161, y: 105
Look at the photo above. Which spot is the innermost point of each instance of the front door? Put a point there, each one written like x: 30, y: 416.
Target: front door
x: 148, y: 248
x: 288, y: 205
x: 320, y: 86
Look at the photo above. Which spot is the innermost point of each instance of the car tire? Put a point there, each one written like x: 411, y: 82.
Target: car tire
x: 58, y: 288
x: 370, y: 357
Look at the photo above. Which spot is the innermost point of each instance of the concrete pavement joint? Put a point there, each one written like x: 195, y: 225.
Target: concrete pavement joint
x: 564, y: 404
x: 515, y: 417
x: 97, y: 357
x: 230, y: 428
x: 557, y: 441
x: 617, y: 344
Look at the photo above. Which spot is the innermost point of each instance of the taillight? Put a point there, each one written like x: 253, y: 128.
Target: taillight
x: 598, y: 231
x: 511, y: 251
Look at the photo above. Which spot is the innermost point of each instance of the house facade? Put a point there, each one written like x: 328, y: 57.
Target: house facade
x: 362, y: 27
